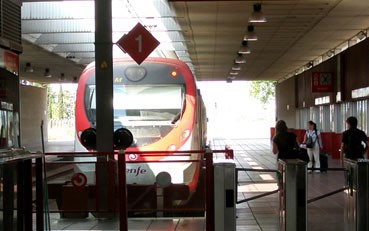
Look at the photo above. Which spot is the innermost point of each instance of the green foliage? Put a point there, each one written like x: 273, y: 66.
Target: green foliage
x: 60, y: 104
x: 263, y: 91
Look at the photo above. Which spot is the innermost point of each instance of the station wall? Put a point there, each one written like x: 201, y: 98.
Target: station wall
x: 347, y: 95
x: 286, y: 102
x: 33, y: 107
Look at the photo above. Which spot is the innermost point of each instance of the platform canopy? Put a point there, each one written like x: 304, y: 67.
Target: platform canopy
x: 59, y: 35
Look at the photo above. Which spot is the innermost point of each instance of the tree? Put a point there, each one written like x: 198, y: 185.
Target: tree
x: 60, y: 103
x: 50, y: 102
x: 263, y: 91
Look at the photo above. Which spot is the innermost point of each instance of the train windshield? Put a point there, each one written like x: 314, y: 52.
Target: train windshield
x: 140, y: 104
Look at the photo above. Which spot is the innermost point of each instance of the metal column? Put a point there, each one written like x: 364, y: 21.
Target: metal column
x: 104, y: 96
x: 357, y: 195
x: 224, y: 195
x: 293, y: 196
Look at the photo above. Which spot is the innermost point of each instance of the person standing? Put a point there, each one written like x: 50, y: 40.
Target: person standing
x: 284, y: 142
x: 354, y: 141
x: 313, y: 141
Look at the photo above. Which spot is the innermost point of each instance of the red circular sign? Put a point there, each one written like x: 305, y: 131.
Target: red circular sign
x: 79, y: 180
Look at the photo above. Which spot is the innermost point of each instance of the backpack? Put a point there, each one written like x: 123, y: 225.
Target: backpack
x: 309, y: 142
x: 354, y: 144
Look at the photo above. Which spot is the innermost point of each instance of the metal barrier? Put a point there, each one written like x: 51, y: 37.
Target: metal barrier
x: 329, y: 193
x: 291, y: 179
x: 224, y: 195
x: 16, y: 188
x: 81, y: 190
x: 279, y: 182
x: 292, y: 196
x: 356, y: 211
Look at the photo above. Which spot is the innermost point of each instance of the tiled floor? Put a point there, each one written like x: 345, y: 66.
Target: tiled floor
x: 259, y: 214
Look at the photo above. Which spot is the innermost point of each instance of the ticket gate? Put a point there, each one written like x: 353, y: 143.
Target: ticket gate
x: 224, y: 195
x: 293, y: 195
x: 356, y: 195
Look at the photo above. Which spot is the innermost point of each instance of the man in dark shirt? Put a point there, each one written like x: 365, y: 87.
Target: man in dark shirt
x: 354, y: 141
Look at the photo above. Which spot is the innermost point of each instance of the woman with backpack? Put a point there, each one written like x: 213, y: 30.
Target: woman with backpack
x: 313, y: 141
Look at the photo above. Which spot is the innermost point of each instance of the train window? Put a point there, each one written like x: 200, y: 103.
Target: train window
x: 90, y: 103
x: 147, y: 103
x: 141, y: 102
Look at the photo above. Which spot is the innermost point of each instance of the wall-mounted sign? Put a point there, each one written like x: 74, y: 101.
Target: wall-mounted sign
x: 321, y: 82
x: 9, y: 61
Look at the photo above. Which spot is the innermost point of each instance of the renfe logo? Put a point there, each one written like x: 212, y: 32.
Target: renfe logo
x: 136, y: 171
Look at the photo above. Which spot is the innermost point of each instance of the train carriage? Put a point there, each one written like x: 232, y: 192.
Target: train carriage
x: 159, y: 103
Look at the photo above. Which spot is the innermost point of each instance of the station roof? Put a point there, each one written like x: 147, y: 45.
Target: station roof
x: 59, y: 35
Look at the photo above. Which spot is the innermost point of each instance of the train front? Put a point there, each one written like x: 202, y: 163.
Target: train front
x: 157, y: 102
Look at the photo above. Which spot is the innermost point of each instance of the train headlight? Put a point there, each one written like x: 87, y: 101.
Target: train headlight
x: 163, y: 179
x: 185, y: 135
x: 135, y: 74
x: 171, y: 147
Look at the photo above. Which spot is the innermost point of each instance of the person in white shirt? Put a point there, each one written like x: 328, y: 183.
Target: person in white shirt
x: 313, y: 141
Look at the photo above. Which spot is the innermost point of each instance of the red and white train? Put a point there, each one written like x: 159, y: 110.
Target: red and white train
x: 158, y: 101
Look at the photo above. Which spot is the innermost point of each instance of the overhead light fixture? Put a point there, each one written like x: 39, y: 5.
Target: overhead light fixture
x: 236, y: 67
x: 250, y: 34
x: 233, y: 73
x: 309, y: 64
x: 330, y: 53
x: 62, y: 77
x: 240, y: 59
x: 245, y: 49
x: 47, y: 73
x: 28, y: 68
x: 361, y: 35
x: 232, y: 77
x: 257, y: 16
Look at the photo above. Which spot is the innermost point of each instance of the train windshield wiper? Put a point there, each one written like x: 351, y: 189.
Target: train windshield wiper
x: 176, y: 118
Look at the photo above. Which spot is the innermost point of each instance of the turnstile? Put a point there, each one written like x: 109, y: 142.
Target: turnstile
x: 292, y: 196
x: 357, y: 195
x: 224, y: 195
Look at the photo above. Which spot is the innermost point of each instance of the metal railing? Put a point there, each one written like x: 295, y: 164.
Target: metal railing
x: 117, y: 190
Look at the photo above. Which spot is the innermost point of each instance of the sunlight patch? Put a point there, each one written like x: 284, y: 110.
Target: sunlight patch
x: 263, y: 187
